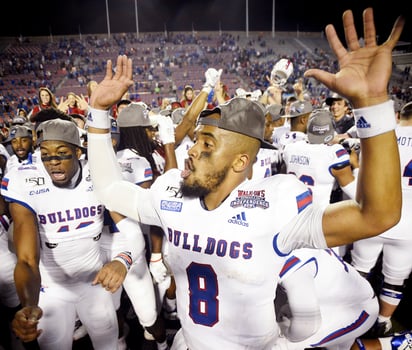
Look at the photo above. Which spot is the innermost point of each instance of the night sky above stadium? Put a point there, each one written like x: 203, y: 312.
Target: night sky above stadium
x: 59, y: 17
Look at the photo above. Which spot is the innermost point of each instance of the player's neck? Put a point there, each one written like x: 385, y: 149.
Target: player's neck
x: 211, y: 201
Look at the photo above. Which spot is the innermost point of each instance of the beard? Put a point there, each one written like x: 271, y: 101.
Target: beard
x: 201, y: 189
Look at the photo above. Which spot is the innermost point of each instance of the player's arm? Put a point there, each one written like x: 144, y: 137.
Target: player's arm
x: 363, y: 78
x: 346, y: 180
x: 109, y: 186
x: 156, y: 265
x: 26, y: 273
x: 128, y: 245
x: 188, y: 121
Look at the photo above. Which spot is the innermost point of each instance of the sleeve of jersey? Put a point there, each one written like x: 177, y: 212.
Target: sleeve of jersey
x: 142, y: 170
x: 303, y: 317
x: 12, y: 189
x: 128, y: 241
x: 115, y: 193
x: 303, y: 231
x: 341, y: 157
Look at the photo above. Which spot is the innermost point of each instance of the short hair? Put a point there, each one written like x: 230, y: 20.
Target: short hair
x: 50, y: 113
x: 406, y: 111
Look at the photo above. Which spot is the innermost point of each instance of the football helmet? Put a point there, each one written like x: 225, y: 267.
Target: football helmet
x: 281, y: 72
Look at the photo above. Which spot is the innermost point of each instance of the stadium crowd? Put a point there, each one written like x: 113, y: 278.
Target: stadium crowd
x: 163, y: 95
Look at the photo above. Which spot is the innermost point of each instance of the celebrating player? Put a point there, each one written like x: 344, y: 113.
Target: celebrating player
x: 228, y: 236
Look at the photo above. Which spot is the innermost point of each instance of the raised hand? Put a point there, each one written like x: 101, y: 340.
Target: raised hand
x: 114, y: 85
x: 364, y: 71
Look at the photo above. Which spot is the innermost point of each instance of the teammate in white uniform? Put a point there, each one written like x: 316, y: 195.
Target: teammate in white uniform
x: 319, y: 292
x: 396, y: 243
x: 228, y: 237
x: 21, y: 143
x: 320, y: 165
x: 58, y: 221
x: 267, y: 160
x: 298, y: 116
x: 9, y: 300
x: 138, y: 283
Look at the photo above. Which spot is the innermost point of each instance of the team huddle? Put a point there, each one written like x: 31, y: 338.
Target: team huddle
x: 250, y: 237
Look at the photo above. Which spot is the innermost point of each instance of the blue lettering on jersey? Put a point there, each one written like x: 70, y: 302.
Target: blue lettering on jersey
x: 70, y: 215
x: 171, y: 205
x: 404, y: 141
x: 221, y: 247
x: 297, y: 159
x: 126, y: 167
x: 40, y: 191
x: 239, y: 219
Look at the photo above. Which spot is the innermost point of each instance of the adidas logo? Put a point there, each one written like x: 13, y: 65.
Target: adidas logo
x: 239, y: 219
x: 362, y: 123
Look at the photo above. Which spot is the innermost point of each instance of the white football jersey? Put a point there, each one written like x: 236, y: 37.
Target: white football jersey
x: 218, y: 264
x: 135, y: 168
x: 339, y: 290
x: 312, y: 164
x: 64, y: 217
x: 181, y: 151
x: 291, y: 137
x: 266, y: 160
x: 402, y: 229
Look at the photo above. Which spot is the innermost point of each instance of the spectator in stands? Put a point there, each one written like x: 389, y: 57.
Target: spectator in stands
x: 220, y: 95
x: 73, y: 104
x: 188, y: 95
x: 21, y: 112
x: 46, y: 100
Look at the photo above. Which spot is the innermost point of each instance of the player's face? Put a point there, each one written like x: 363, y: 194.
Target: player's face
x: 22, y: 146
x: 269, y: 126
x: 61, y: 161
x: 208, y: 164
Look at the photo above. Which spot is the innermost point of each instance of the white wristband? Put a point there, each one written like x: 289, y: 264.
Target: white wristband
x: 350, y: 189
x: 155, y: 257
x: 99, y: 119
x: 375, y: 120
x: 125, y: 258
